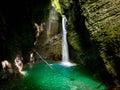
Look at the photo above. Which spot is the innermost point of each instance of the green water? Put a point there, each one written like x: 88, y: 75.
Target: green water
x: 41, y: 77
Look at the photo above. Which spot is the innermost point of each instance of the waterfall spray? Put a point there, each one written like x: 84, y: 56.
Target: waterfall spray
x: 65, y: 51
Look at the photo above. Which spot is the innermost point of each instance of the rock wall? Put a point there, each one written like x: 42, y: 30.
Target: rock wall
x: 49, y: 41
x: 94, y: 33
x: 102, y: 20
x: 101, y: 13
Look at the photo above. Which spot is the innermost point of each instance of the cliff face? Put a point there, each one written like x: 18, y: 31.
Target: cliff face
x: 101, y: 14
x: 102, y: 20
x: 93, y: 25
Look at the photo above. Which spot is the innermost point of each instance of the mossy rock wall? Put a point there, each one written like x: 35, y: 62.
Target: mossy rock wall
x: 102, y: 20
x: 93, y: 28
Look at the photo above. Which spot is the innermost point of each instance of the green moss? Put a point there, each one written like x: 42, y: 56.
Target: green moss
x: 108, y: 41
x: 108, y: 36
x: 57, y: 6
x: 73, y: 39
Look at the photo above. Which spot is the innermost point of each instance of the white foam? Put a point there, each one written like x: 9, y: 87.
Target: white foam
x: 68, y: 64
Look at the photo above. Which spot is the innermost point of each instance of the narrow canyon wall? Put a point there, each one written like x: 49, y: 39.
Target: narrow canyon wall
x: 102, y: 20
x: 94, y: 33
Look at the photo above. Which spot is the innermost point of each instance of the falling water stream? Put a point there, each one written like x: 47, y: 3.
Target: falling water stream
x: 65, y: 55
x: 65, y: 51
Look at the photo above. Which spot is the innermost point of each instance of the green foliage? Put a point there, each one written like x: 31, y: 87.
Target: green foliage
x: 108, y: 41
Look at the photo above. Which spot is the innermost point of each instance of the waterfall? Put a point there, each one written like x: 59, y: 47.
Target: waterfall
x: 65, y: 51
x: 65, y: 55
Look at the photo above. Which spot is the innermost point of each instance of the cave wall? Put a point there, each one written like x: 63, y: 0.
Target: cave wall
x: 17, y: 30
x: 93, y: 33
x: 102, y: 20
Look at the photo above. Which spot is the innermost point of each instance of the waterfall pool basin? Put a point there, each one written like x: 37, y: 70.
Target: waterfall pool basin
x: 42, y: 77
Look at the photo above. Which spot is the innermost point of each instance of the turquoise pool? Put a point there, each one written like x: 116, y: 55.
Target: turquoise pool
x: 42, y: 77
